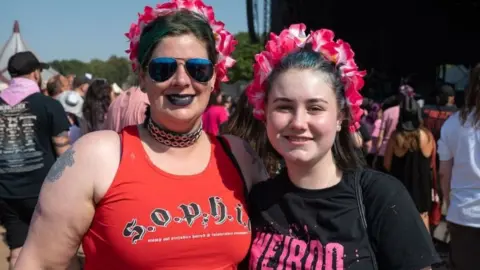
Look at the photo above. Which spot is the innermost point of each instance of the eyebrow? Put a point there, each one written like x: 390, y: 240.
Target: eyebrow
x: 311, y: 100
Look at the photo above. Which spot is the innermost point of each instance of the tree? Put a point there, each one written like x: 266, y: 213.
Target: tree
x: 115, y: 69
x: 244, y: 54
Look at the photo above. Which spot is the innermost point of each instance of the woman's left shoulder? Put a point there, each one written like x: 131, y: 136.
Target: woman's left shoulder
x: 379, y: 186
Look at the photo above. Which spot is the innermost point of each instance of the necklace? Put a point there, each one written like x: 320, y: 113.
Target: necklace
x: 171, y: 138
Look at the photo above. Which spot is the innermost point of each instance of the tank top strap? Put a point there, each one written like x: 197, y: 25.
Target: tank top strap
x: 225, y: 145
x: 130, y: 141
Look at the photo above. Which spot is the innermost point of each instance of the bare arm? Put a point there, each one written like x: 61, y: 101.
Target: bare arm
x: 66, y: 204
x: 61, y: 143
x: 445, y: 173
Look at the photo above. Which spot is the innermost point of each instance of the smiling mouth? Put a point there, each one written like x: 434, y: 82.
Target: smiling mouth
x: 297, y: 139
x: 179, y: 99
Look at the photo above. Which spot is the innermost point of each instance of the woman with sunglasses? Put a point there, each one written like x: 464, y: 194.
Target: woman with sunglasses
x: 163, y: 195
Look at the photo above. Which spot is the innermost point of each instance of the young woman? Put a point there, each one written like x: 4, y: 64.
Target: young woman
x: 324, y: 211
x: 164, y: 195
x: 409, y: 156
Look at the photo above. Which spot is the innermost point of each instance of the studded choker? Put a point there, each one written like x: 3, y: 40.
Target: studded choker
x: 171, y: 138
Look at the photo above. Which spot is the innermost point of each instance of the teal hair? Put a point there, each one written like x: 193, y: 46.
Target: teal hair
x: 176, y: 24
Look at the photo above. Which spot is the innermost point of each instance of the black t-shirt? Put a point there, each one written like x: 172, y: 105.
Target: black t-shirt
x: 26, y: 148
x: 294, y: 228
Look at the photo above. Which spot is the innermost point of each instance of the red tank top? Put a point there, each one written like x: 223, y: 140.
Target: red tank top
x: 150, y: 219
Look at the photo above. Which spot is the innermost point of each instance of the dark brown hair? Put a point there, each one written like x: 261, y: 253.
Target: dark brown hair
x: 244, y: 125
x: 472, y: 98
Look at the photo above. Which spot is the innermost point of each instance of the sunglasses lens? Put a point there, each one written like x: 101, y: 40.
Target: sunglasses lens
x: 200, y: 69
x: 162, y: 68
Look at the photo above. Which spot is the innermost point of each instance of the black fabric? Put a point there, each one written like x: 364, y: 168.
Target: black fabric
x: 26, y: 148
x: 413, y: 170
x: 23, y: 63
x: 310, y: 229
x: 363, y: 129
x: 226, y: 147
x: 16, y: 215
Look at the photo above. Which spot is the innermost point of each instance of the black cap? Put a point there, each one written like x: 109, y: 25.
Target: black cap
x: 446, y: 90
x: 80, y: 80
x: 24, y: 63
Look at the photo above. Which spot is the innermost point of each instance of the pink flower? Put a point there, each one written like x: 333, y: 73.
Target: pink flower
x: 344, y: 52
x: 263, y: 66
x: 256, y: 97
x: 320, y: 38
x: 224, y: 41
x: 322, y: 42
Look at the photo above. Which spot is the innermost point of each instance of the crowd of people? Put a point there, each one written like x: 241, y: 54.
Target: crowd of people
x: 299, y: 172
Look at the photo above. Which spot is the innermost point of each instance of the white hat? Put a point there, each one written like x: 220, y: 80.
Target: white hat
x: 116, y: 89
x: 72, y: 102
x: 3, y: 86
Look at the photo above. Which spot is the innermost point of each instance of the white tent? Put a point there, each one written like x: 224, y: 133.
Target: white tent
x: 14, y: 45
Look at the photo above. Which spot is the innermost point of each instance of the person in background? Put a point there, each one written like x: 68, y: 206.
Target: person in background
x: 409, y: 155
x: 459, y: 154
x: 81, y: 84
x: 70, y: 78
x: 116, y: 91
x: 72, y: 102
x: 34, y: 132
x: 215, y: 114
x: 57, y: 85
x: 389, y: 124
x: 97, y: 100
x: 374, y: 117
x: 128, y: 109
x: 227, y: 102
x: 435, y: 115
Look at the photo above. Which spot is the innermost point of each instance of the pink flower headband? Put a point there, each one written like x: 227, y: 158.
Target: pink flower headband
x: 293, y: 38
x: 224, y: 41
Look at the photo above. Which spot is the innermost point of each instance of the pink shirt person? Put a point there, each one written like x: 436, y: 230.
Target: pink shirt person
x: 213, y: 117
x: 389, y: 125
x: 127, y: 109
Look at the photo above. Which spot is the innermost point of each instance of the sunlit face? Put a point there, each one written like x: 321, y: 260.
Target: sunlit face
x: 63, y: 83
x: 302, y: 116
x: 164, y: 111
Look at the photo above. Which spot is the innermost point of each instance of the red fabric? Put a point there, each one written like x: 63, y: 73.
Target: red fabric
x: 435, y: 214
x: 150, y: 219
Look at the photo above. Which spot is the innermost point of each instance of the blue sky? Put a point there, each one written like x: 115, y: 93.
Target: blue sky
x: 87, y: 29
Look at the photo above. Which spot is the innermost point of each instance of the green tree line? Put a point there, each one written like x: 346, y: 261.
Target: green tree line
x: 118, y: 69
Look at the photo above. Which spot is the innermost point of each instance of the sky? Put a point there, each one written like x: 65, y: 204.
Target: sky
x: 88, y: 29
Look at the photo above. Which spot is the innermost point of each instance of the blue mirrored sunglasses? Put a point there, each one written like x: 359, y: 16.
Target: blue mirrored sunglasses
x: 162, y: 69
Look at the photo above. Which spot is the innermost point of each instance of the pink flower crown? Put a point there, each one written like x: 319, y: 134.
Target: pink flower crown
x: 293, y: 38
x: 224, y: 41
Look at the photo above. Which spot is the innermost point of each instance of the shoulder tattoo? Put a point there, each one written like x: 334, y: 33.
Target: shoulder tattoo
x: 64, y: 161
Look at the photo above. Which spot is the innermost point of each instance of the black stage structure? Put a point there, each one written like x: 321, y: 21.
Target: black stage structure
x: 398, y: 38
